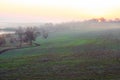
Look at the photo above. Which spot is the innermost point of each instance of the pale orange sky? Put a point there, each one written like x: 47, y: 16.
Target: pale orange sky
x: 57, y: 10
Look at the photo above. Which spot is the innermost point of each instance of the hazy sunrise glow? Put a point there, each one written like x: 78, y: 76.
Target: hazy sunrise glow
x: 57, y: 10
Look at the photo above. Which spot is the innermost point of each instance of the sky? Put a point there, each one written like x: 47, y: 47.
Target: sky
x: 57, y: 10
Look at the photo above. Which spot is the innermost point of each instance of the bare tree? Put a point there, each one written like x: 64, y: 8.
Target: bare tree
x: 31, y: 34
x: 2, y: 40
x: 45, y: 34
x: 20, y: 33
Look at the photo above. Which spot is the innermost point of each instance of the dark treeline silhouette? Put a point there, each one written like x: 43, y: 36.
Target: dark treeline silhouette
x: 22, y: 36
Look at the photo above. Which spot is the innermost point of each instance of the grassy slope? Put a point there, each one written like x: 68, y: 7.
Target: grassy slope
x: 61, y: 57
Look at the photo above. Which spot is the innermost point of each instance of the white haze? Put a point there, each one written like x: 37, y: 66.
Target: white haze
x: 70, y: 26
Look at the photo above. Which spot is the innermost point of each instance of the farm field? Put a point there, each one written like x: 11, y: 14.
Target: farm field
x: 59, y: 39
x: 66, y: 56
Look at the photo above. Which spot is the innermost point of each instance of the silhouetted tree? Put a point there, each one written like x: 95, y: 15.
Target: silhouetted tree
x: 2, y: 40
x: 45, y: 34
x: 31, y: 34
x: 20, y: 33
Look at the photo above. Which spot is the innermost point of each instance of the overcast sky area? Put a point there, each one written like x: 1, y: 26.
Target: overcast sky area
x: 57, y: 10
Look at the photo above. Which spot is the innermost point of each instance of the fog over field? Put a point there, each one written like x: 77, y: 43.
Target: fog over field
x: 80, y: 26
x: 59, y: 39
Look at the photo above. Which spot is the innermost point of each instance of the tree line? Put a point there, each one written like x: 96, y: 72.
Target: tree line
x: 23, y: 35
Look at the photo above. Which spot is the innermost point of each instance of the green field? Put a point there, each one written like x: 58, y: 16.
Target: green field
x: 63, y: 56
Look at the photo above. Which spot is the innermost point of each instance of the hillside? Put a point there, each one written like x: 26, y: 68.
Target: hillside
x: 65, y: 56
